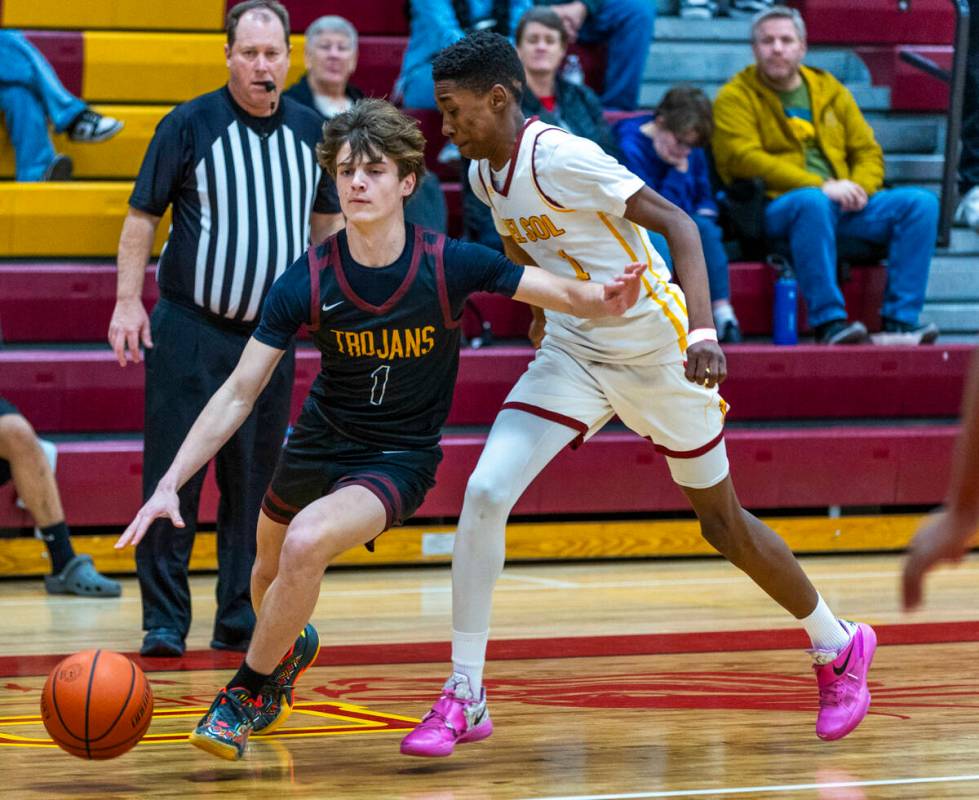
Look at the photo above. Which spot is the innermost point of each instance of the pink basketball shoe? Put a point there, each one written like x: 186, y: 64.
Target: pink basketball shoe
x: 456, y: 718
x: 844, y: 698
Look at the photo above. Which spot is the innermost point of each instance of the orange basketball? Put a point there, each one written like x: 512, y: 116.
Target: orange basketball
x: 96, y: 704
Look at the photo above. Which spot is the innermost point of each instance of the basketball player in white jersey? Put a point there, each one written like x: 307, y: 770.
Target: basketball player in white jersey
x: 560, y: 203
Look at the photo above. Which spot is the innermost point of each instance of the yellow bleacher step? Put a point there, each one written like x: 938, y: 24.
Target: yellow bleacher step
x: 546, y: 541
x: 119, y: 157
x: 132, y: 67
x: 75, y: 219
x: 189, y: 15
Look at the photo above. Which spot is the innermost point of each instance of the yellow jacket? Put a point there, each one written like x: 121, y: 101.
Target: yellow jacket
x: 753, y: 138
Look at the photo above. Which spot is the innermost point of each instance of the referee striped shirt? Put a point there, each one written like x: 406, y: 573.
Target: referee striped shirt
x: 242, y: 189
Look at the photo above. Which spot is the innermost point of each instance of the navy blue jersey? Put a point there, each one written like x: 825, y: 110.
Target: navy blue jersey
x: 242, y: 188
x: 389, y: 335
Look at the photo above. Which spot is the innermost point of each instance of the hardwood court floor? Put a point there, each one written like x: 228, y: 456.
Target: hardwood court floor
x: 638, y: 679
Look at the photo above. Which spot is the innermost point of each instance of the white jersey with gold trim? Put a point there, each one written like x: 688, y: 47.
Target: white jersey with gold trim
x: 561, y: 198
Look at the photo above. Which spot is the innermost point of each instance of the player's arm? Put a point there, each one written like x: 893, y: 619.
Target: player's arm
x: 222, y: 416
x: 581, y: 298
x: 518, y: 255
x: 705, y: 360
x: 130, y: 324
x: 948, y: 535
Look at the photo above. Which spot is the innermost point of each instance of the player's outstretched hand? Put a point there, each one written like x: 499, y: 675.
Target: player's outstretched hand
x: 706, y: 363
x: 942, y: 537
x: 622, y: 292
x: 163, y: 503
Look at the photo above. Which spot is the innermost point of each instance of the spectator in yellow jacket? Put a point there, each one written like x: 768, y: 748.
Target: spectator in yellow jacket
x: 800, y: 131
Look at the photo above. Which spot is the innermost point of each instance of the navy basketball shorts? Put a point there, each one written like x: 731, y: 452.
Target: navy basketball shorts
x: 318, y: 460
x: 6, y: 408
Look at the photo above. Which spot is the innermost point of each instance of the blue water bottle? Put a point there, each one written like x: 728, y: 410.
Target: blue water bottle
x: 785, y: 321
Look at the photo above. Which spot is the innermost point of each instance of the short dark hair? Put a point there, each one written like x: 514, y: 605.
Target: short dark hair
x: 374, y: 128
x: 545, y: 16
x: 686, y: 108
x: 478, y: 62
x: 235, y: 13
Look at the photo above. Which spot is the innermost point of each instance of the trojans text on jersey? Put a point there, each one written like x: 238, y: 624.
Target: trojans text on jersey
x: 387, y: 343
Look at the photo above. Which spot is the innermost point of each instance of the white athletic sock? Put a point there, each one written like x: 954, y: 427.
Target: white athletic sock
x: 825, y: 630
x: 469, y: 656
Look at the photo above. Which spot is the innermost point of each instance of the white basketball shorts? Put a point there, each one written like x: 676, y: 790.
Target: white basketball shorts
x: 683, y: 420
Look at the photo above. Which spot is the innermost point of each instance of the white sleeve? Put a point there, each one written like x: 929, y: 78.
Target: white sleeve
x: 579, y: 175
x: 480, y: 191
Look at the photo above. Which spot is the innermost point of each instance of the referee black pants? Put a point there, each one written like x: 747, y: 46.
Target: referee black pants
x: 189, y: 361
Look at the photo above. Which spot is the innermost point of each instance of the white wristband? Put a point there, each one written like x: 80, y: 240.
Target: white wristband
x: 701, y: 335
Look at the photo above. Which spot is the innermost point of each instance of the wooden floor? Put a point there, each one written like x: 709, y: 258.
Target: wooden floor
x: 641, y: 679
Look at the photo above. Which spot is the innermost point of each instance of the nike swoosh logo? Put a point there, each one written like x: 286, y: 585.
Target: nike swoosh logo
x: 841, y: 670
x: 332, y: 306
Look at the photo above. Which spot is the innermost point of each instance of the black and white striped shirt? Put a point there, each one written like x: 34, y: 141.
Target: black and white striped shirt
x: 242, y: 189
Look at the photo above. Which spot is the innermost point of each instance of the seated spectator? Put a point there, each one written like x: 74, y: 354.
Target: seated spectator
x: 665, y: 150
x: 31, y: 96
x: 23, y: 459
x: 330, y: 53
x: 800, y: 130
x: 625, y: 27
x: 436, y: 24
x: 542, y: 43
x: 331, y: 57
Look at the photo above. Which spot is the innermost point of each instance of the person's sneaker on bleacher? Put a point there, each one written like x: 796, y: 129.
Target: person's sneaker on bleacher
x: 967, y: 211
x: 897, y: 333
x: 277, y: 695
x: 747, y: 8
x: 59, y: 169
x: 223, y: 730
x: 90, y: 126
x: 457, y: 717
x: 839, y: 331
x: 698, y: 9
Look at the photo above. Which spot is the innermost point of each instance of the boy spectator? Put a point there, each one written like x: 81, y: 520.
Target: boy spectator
x: 665, y: 150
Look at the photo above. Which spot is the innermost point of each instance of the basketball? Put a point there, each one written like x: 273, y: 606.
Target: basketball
x: 96, y: 704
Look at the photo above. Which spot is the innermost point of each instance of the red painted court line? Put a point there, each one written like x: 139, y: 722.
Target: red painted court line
x: 528, y: 649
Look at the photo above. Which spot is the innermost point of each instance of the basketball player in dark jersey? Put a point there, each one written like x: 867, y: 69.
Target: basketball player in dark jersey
x: 383, y: 301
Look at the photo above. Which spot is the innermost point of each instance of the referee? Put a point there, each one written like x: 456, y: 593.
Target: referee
x: 238, y: 165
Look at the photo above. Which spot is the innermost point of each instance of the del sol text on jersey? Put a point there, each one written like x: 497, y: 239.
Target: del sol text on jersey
x: 535, y: 228
x: 387, y: 343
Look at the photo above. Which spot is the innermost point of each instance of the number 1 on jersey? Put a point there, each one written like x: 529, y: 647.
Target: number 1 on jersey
x: 580, y: 274
x: 380, y: 376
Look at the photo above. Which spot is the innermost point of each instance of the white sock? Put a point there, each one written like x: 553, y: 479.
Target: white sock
x: 826, y: 631
x: 469, y: 656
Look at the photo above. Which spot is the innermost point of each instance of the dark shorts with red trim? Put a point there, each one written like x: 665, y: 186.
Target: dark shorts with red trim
x: 6, y: 407
x: 317, y: 460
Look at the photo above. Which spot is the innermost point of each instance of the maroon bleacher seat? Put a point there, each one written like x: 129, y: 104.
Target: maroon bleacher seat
x: 911, y: 89
x: 86, y: 391
x: 616, y: 472
x: 369, y: 17
x: 64, y: 50
x: 869, y: 21
x: 378, y: 64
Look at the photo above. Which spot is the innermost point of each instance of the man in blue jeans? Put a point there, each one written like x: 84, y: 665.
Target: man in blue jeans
x: 800, y: 130
x: 626, y: 28
x: 31, y: 95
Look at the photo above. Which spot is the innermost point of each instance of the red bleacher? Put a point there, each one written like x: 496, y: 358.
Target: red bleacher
x: 616, y: 472
x: 911, y: 89
x: 85, y: 390
x: 374, y: 17
x: 871, y: 21
x: 26, y: 289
